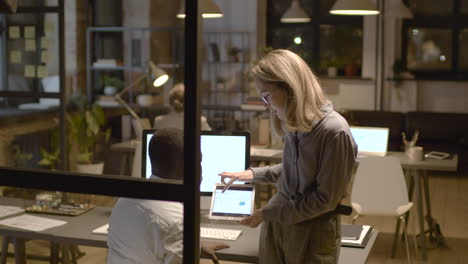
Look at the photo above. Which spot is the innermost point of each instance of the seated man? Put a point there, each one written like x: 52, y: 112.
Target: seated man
x: 150, y: 231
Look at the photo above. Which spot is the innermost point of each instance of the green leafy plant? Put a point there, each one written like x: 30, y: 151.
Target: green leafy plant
x: 113, y: 81
x: 19, y: 157
x: 86, y: 128
x: 51, y: 158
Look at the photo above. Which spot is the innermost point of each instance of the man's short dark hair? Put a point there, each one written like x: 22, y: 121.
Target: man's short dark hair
x: 166, y: 152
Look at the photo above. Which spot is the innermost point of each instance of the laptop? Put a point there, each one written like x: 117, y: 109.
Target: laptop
x: 371, y: 141
x: 234, y: 204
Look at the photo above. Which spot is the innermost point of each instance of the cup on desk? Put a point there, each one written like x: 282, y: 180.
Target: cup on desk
x: 415, y: 153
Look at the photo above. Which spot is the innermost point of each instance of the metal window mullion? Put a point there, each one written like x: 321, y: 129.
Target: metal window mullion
x: 191, y: 133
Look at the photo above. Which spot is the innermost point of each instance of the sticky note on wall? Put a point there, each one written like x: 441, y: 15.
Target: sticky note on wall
x: 44, y: 56
x: 29, y: 71
x: 29, y: 32
x: 14, y: 32
x: 44, y: 43
x: 42, y: 71
x: 15, y: 56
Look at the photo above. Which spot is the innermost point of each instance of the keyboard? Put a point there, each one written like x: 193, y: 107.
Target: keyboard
x: 219, y: 233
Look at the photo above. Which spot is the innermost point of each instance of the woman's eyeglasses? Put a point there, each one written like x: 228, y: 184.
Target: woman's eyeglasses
x: 266, y: 98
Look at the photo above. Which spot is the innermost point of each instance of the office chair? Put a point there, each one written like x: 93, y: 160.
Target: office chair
x: 379, y: 189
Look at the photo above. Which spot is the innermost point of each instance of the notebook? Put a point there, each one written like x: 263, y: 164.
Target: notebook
x: 371, y: 141
x: 361, y: 242
x: 234, y: 204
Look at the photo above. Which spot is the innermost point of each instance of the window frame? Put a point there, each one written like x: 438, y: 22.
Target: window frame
x: 456, y: 22
x: 187, y: 193
x: 314, y: 25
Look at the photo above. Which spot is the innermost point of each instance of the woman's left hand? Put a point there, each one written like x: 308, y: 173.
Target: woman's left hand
x: 254, y: 220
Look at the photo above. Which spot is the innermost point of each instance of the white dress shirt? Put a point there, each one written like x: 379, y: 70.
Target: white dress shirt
x: 145, y: 231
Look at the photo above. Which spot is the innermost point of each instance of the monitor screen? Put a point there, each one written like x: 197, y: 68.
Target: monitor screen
x: 145, y: 159
x: 222, y: 151
x: 371, y: 140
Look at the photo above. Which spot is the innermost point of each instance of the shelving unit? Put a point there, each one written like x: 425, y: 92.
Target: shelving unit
x: 225, y: 79
x: 135, y: 55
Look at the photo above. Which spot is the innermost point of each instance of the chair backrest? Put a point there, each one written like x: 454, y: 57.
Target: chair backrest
x: 379, y: 186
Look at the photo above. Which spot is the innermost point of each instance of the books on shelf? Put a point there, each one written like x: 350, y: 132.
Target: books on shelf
x: 105, y: 63
x: 107, y: 100
x: 355, y: 235
x: 253, y: 107
x: 253, y: 104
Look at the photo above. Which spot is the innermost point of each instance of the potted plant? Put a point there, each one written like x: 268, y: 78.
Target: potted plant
x: 112, y: 85
x: 146, y: 96
x: 86, y: 130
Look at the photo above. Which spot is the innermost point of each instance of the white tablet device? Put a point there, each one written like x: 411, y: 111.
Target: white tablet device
x: 234, y: 204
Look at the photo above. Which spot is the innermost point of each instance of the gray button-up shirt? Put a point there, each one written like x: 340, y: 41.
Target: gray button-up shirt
x: 315, y: 173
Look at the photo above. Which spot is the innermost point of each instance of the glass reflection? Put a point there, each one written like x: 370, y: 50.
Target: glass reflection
x: 429, y: 49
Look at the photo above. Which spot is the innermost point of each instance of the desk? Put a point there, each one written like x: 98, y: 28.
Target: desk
x: 418, y: 171
x: 78, y: 231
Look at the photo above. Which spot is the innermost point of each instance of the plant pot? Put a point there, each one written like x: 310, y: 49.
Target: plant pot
x: 351, y: 69
x: 144, y: 99
x: 331, y: 71
x: 110, y: 90
x: 96, y: 168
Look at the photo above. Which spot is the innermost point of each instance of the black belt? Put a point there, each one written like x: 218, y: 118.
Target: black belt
x: 343, y: 209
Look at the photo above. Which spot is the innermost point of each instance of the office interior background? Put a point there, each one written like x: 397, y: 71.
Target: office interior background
x: 77, y: 79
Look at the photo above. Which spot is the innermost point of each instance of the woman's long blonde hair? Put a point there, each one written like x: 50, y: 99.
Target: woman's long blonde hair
x: 305, y: 96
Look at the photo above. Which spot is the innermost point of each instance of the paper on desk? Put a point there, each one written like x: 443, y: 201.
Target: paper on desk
x: 264, y: 152
x: 31, y: 223
x: 101, y: 230
x: 6, y: 210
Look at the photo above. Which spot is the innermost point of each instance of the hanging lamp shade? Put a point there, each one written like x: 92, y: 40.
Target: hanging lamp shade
x: 208, y: 8
x: 354, y: 8
x: 399, y: 10
x: 295, y: 14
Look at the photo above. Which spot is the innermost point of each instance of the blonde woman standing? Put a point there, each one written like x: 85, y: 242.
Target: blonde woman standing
x: 175, y: 119
x: 300, y: 224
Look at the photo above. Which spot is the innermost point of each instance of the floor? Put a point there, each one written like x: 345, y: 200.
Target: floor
x: 449, y: 198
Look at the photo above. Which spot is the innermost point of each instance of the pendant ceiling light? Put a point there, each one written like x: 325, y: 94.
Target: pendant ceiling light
x: 295, y: 14
x: 354, y: 8
x: 399, y: 10
x: 208, y: 8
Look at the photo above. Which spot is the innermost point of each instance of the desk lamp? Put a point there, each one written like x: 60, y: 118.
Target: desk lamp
x: 160, y: 77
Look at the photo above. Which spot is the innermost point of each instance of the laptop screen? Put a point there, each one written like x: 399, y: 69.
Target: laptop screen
x: 371, y: 140
x: 222, y: 151
x: 236, y: 202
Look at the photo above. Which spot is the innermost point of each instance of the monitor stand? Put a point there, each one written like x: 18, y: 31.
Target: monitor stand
x: 205, y: 202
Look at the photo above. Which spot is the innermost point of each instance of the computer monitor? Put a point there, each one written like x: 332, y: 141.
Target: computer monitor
x: 146, y: 136
x: 371, y: 140
x: 221, y: 151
